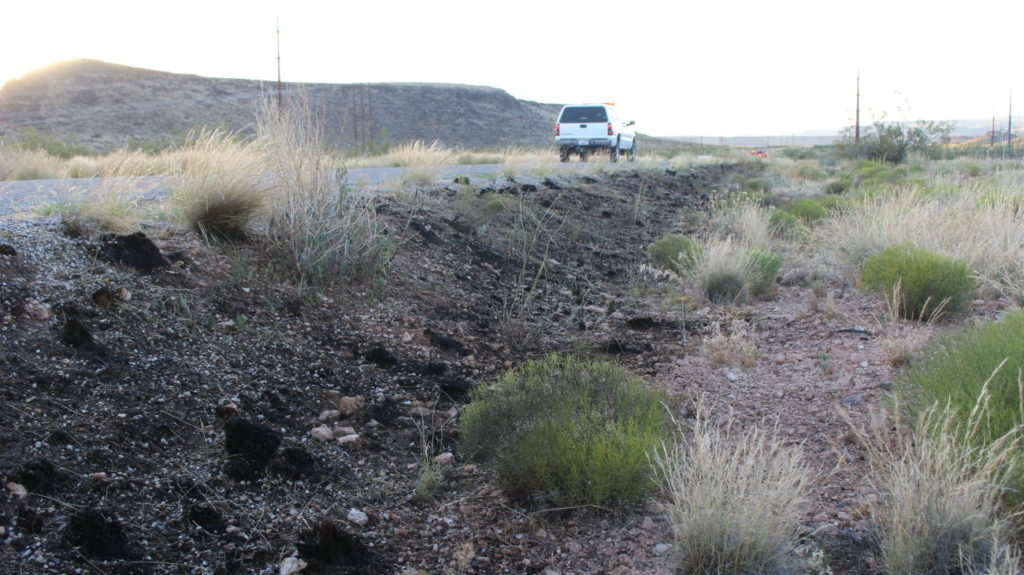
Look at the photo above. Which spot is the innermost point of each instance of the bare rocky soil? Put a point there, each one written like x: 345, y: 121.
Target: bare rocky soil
x: 199, y: 415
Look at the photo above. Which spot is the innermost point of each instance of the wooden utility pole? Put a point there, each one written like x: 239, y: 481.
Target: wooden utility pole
x: 856, y: 125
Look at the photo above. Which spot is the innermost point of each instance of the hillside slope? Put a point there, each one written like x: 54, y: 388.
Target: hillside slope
x: 106, y: 106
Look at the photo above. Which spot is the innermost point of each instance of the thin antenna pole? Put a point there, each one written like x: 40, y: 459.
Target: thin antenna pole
x: 1009, y: 126
x: 993, y: 143
x: 279, y: 89
x: 856, y: 126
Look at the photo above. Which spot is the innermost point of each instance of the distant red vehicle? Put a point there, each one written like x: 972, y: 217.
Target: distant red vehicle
x: 759, y: 153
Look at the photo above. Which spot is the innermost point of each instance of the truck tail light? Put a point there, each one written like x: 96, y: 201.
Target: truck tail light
x: 611, y: 131
x: 558, y: 129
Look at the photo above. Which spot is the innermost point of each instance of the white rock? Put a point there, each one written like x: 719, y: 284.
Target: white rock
x: 662, y: 548
x: 344, y: 430
x: 291, y: 565
x: 36, y: 309
x: 445, y: 458
x: 346, y: 439
x: 329, y: 415
x: 322, y: 433
x: 358, y: 517
x: 349, y: 405
x: 18, y: 490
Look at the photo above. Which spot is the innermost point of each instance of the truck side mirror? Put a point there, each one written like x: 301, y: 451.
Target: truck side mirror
x: 630, y: 123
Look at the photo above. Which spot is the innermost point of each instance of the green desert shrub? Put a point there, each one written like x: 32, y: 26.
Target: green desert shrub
x: 958, y: 368
x: 757, y: 185
x: 920, y: 282
x: 784, y: 224
x: 832, y: 203
x: 764, y: 266
x: 674, y: 252
x: 807, y: 210
x: 567, y: 432
x: 837, y: 186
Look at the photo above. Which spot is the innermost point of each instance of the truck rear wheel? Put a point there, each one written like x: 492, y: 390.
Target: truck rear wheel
x: 613, y: 153
x: 563, y: 154
x: 583, y: 154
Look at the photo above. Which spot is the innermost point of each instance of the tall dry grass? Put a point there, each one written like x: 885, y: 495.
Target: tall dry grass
x: 941, y: 511
x: 115, y: 206
x: 315, y: 229
x: 978, y: 222
x: 223, y: 186
x: 736, y: 498
x: 18, y: 164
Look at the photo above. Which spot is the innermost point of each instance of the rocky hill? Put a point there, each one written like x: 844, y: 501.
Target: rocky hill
x: 105, y: 106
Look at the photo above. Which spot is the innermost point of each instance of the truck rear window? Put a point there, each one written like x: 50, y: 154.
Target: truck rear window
x: 583, y: 114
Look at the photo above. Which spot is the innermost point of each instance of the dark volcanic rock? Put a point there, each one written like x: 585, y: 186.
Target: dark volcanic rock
x: 133, y: 250
x: 98, y: 536
x: 37, y: 476
x: 329, y: 549
x: 251, y: 446
x: 207, y: 517
x: 381, y: 357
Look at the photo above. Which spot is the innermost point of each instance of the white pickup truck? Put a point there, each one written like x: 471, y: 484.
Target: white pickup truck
x: 585, y: 128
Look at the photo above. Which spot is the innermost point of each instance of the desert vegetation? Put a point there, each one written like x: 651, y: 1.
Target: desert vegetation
x: 930, y: 248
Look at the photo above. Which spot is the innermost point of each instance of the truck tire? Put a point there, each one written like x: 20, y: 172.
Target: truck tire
x: 583, y: 154
x: 613, y: 152
x: 563, y: 154
x: 632, y: 152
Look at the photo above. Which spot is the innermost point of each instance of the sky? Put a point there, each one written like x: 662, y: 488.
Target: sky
x: 712, y: 68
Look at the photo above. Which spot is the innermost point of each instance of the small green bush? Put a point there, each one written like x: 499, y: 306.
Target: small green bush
x: 674, y: 252
x: 757, y: 185
x: 956, y: 370
x: 837, y: 187
x: 807, y: 210
x: 919, y: 280
x: 784, y: 224
x: 832, y: 203
x: 567, y: 432
x: 724, y: 286
x: 764, y: 266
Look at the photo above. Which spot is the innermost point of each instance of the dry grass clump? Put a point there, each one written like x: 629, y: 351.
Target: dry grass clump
x: 941, y: 511
x: 984, y: 234
x: 222, y: 188
x: 18, y: 164
x: 728, y: 271
x: 315, y: 229
x: 114, y: 207
x: 736, y: 499
x: 82, y: 167
x: 748, y: 222
x: 734, y: 346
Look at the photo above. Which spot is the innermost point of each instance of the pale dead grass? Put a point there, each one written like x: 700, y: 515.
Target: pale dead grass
x: 222, y: 187
x: 314, y: 229
x: 735, y: 345
x: 941, y: 509
x: 18, y: 164
x: 987, y: 235
x: 736, y: 498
